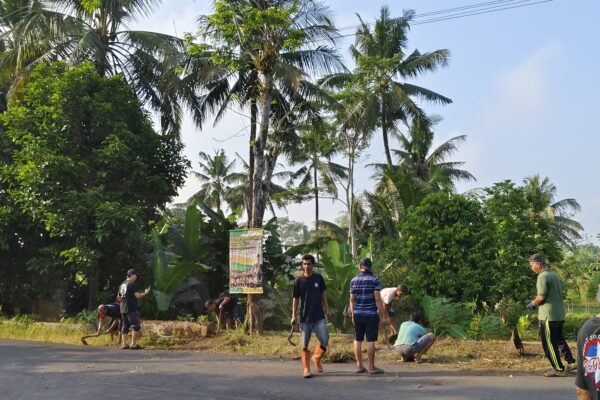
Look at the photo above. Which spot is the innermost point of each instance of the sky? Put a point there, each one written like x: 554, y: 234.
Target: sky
x: 523, y: 82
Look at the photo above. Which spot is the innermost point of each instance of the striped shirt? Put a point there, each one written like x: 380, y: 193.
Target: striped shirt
x: 363, y: 287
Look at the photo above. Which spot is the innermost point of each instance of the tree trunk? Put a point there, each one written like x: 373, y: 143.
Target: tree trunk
x: 257, y: 208
x: 350, y: 203
x: 316, y: 193
x: 93, y: 286
x: 258, y: 196
x: 384, y: 132
x: 253, y: 125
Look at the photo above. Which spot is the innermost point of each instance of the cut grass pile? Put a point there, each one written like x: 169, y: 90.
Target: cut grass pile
x: 462, y: 355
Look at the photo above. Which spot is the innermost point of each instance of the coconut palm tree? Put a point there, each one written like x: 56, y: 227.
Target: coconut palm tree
x: 280, y: 52
x: 217, y: 177
x: 318, y: 173
x: 419, y: 171
x: 541, y: 193
x: 383, y: 67
x: 277, y: 195
x: 76, y: 31
x: 426, y: 166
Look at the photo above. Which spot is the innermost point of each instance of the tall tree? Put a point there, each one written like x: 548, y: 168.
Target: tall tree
x: 97, y: 31
x: 419, y: 171
x: 355, y: 127
x: 278, y: 41
x: 383, y: 67
x: 427, y: 165
x: 89, y: 167
x: 541, y: 193
x: 319, y: 173
x: 216, y: 175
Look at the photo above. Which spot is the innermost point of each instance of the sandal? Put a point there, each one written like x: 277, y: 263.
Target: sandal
x: 125, y: 347
x: 376, y: 371
x: 361, y: 370
x: 136, y: 347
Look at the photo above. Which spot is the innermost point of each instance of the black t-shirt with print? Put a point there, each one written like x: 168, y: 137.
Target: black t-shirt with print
x: 309, y: 290
x: 128, y: 301
x: 588, y: 357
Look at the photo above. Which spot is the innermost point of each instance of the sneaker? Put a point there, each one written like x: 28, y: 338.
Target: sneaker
x: 553, y: 374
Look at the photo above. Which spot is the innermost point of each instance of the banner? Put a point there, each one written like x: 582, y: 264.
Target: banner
x: 245, y: 261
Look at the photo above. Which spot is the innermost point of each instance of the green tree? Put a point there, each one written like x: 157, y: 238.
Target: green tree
x: 427, y: 166
x: 255, y: 35
x: 516, y: 234
x: 355, y: 128
x: 291, y: 233
x: 419, y: 171
x: 445, y: 242
x: 319, y: 173
x: 541, y: 193
x: 97, y: 31
x: 216, y: 175
x: 383, y: 67
x: 89, y: 166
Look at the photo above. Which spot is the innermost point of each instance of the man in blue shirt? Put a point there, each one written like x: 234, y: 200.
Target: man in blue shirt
x: 365, y: 302
x: 413, y: 340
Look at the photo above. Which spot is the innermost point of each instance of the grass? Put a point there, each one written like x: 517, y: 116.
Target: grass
x: 462, y: 355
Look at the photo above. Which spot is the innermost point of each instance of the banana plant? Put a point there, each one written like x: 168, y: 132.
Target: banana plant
x: 171, y: 269
x: 339, y: 270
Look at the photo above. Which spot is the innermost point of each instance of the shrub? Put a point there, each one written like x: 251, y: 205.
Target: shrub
x: 447, y: 318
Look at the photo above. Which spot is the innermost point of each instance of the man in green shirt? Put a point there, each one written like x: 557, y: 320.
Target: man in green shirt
x: 551, y: 316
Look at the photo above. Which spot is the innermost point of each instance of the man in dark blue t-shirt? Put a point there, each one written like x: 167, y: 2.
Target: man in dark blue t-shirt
x: 365, y: 302
x: 129, y: 293
x: 310, y: 288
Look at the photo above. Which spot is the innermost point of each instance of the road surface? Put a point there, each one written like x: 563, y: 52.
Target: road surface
x: 30, y: 370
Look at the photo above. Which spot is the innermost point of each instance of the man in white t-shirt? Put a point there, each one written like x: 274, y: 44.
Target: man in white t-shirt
x: 388, y: 295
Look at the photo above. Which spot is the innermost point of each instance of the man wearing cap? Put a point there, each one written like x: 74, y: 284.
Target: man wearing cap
x: 365, y: 302
x: 129, y: 292
x: 551, y: 316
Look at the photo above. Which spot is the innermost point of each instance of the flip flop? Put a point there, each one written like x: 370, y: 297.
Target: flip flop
x: 136, y: 347
x: 376, y: 371
x: 361, y: 370
x: 125, y: 347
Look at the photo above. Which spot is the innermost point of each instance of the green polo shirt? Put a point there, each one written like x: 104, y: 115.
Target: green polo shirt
x: 550, y: 286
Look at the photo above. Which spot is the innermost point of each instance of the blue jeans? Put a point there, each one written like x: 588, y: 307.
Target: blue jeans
x: 320, y: 329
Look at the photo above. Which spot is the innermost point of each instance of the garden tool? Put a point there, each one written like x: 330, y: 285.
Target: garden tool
x: 289, y: 338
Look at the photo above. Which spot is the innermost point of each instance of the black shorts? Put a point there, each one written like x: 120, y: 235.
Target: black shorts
x: 366, y: 326
x: 131, y: 319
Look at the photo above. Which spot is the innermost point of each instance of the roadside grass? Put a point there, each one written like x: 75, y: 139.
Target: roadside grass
x: 490, y: 356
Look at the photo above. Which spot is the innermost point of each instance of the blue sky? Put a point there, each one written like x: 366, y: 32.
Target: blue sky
x: 523, y: 82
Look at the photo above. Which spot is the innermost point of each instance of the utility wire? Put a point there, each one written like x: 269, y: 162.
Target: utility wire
x: 499, y: 7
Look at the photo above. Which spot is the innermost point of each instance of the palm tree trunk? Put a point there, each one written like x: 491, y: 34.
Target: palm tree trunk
x: 253, y: 126
x: 258, y: 197
x: 350, y: 204
x: 257, y: 208
x: 316, y: 193
x: 384, y: 132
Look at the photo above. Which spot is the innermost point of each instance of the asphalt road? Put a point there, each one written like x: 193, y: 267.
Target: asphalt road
x: 30, y: 370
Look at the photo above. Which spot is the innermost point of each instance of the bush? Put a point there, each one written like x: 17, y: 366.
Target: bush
x: 572, y: 324
x: 447, y: 318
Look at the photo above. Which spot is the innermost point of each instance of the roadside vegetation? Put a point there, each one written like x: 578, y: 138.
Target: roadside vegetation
x: 87, y: 177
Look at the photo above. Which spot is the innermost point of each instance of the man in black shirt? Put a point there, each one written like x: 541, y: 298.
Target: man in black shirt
x: 310, y: 288
x: 129, y: 292
x: 587, y: 382
x: 224, y: 307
